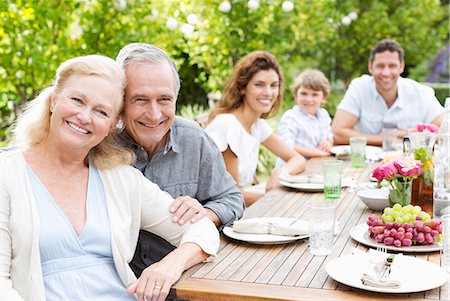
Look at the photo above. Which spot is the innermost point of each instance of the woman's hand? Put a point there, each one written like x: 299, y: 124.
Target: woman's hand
x: 155, y: 282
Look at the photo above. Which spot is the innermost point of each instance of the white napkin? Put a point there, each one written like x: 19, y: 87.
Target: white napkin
x: 343, y: 151
x: 371, y: 276
x: 276, y: 227
x: 294, y: 178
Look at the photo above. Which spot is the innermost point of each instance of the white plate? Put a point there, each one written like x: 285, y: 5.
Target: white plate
x: 349, y: 269
x: 264, y: 238
x: 309, y: 187
x: 360, y: 234
x: 371, y: 151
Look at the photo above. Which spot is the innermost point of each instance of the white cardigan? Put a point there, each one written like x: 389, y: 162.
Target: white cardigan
x: 133, y: 203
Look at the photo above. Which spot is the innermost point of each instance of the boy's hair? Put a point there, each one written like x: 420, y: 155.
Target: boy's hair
x: 386, y: 45
x: 312, y: 79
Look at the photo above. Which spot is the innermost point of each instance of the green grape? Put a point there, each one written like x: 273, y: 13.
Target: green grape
x: 425, y: 216
x: 404, y: 210
x: 409, y: 208
x: 387, y: 218
x: 438, y: 239
x: 388, y: 211
x: 417, y: 210
x: 399, y: 220
x: 407, y: 217
x: 397, y: 207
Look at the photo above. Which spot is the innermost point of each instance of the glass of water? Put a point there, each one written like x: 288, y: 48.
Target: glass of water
x: 332, y: 178
x: 322, y: 215
x: 358, y: 151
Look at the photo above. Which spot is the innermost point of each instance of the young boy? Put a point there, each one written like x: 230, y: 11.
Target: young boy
x: 306, y: 127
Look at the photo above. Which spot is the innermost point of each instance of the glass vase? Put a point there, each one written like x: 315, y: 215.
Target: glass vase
x: 422, y: 187
x: 401, y: 194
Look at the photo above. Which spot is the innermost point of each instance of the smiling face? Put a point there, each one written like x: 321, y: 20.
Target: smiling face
x: 310, y: 100
x: 149, y: 104
x: 261, y: 91
x: 386, y: 68
x: 84, y: 111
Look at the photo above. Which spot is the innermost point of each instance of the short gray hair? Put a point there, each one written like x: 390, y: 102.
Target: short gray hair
x: 147, y: 53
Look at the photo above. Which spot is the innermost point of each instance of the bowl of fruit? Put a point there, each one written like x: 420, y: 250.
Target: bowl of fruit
x: 375, y: 199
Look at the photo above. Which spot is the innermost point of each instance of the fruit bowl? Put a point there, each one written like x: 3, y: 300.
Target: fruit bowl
x: 375, y: 199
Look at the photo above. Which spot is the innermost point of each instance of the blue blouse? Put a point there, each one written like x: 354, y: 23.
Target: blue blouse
x: 77, y: 267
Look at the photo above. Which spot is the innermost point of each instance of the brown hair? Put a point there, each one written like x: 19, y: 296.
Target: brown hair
x: 243, y: 72
x: 312, y: 79
x: 386, y: 45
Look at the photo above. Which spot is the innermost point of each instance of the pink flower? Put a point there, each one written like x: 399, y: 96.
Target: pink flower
x: 385, y: 170
x: 407, y: 167
x: 389, y: 170
x: 377, y: 172
x: 421, y: 127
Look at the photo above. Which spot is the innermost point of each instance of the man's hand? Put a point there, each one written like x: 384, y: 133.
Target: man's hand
x: 185, y: 208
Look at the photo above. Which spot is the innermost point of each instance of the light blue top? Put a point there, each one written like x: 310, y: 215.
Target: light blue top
x: 415, y: 103
x: 77, y: 268
x: 298, y: 127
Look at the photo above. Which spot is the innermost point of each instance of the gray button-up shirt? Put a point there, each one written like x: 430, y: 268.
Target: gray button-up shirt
x: 189, y: 164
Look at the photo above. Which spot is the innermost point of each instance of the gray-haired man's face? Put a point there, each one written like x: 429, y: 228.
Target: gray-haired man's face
x: 150, y: 100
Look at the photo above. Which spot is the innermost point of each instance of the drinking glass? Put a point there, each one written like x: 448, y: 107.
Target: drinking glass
x: 358, y: 151
x: 322, y: 216
x: 332, y: 178
x: 389, y: 139
x: 445, y: 251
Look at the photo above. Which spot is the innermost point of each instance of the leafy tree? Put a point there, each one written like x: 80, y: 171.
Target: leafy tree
x: 334, y: 36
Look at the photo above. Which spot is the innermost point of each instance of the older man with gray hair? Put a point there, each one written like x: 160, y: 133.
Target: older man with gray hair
x: 172, y: 152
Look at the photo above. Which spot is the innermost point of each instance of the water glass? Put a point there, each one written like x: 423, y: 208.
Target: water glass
x: 445, y: 252
x: 332, y: 178
x: 389, y: 139
x: 358, y: 151
x: 322, y: 216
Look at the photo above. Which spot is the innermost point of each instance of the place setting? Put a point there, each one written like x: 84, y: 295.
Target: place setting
x: 379, y: 271
x: 281, y: 230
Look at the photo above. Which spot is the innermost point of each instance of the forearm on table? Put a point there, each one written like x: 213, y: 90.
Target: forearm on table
x: 342, y: 136
x: 310, y: 151
x: 185, y: 256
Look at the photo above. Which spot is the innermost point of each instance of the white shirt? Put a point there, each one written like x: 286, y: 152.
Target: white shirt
x: 415, y: 103
x: 227, y: 131
x: 300, y: 128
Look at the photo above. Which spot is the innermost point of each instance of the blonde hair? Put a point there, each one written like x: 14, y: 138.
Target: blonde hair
x: 243, y: 72
x: 33, y: 125
x: 312, y: 79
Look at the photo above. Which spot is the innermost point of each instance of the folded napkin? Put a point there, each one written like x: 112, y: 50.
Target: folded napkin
x: 343, y: 151
x: 286, y: 227
x: 317, y: 179
x: 373, y: 275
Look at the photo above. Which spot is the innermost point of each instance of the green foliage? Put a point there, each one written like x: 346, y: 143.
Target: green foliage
x: 36, y: 36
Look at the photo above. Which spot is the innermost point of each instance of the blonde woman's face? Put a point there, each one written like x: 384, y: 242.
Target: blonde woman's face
x: 84, y: 111
x: 262, y: 91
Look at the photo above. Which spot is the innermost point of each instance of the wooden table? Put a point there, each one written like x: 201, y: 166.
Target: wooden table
x: 244, y: 271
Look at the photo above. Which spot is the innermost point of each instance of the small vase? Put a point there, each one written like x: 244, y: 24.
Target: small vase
x: 402, y: 194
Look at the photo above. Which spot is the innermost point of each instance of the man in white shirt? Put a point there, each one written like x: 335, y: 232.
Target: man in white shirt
x: 384, y: 99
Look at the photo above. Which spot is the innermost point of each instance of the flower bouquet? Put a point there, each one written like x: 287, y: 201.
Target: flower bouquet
x: 399, y: 174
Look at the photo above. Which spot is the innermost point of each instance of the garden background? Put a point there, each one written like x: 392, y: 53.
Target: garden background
x: 207, y: 37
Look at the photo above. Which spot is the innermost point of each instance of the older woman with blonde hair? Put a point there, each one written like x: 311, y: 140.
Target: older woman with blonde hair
x: 253, y: 92
x: 70, y: 205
